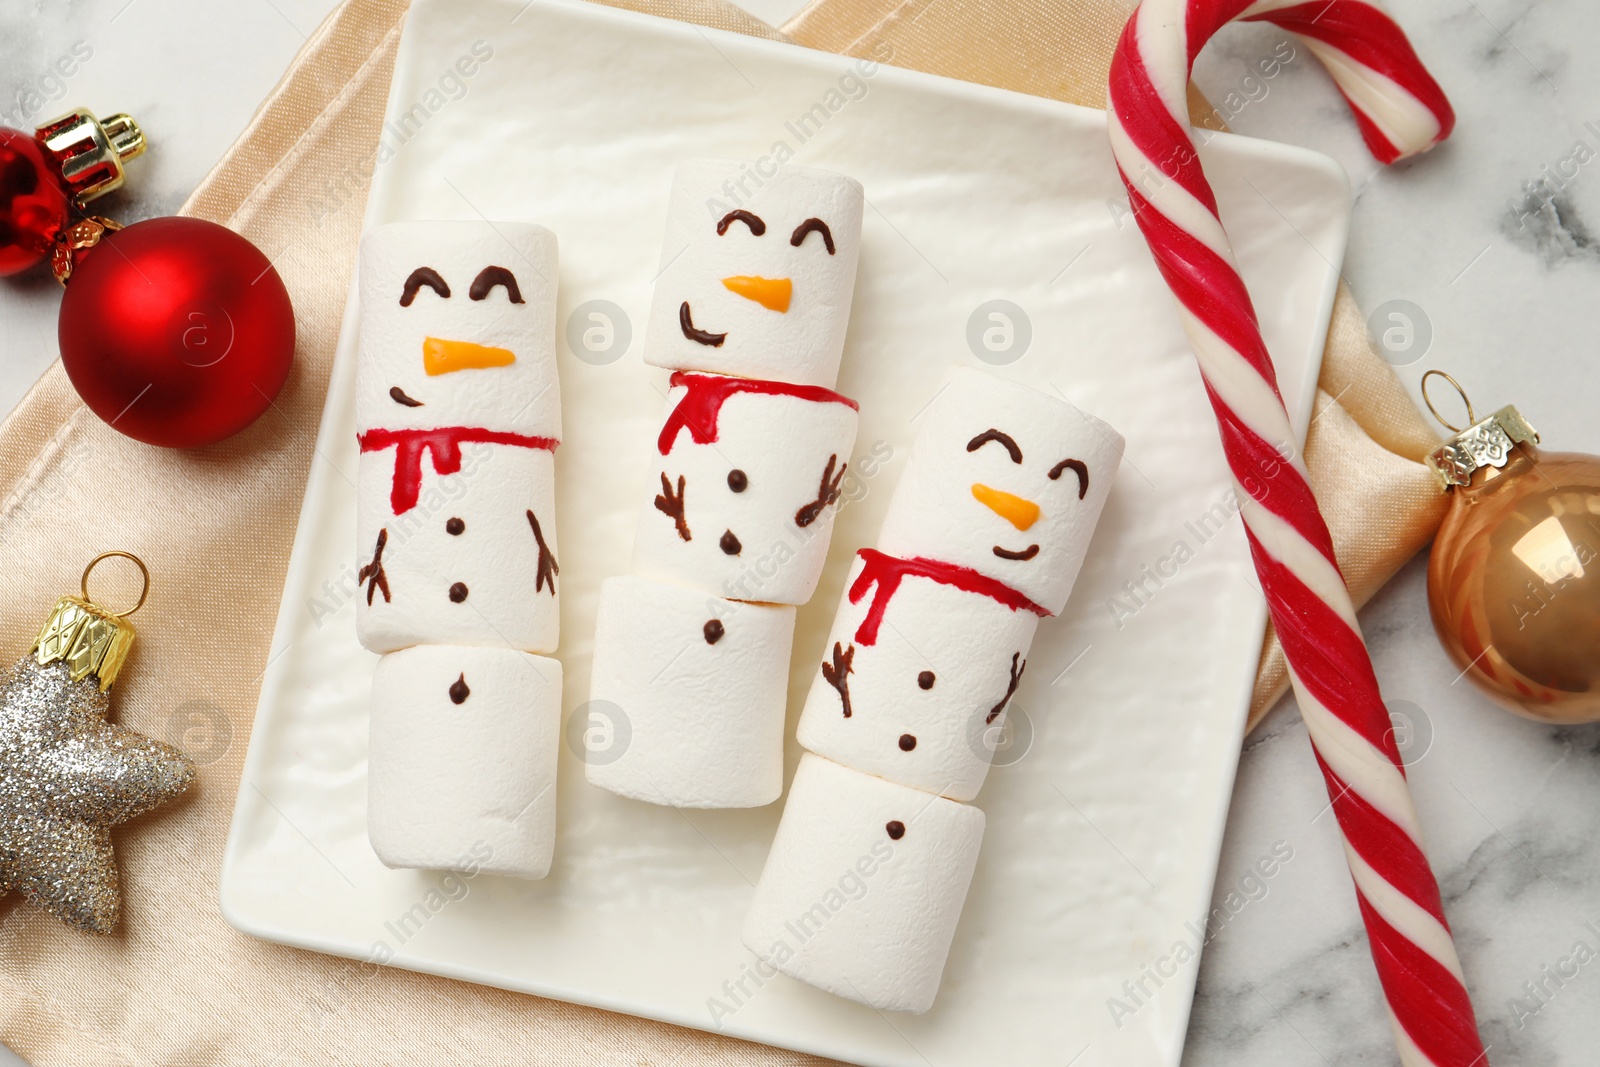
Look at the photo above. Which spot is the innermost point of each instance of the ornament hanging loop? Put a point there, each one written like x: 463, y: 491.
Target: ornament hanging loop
x: 1472, y: 415
x: 144, y: 572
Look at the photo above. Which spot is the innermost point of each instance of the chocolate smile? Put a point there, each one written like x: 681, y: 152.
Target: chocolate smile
x: 1025, y: 555
x: 693, y: 333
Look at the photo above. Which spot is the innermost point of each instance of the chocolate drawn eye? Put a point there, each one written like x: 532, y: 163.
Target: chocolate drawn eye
x: 999, y: 438
x: 757, y: 227
x: 738, y: 480
x: 1076, y: 466
x: 925, y: 680
x: 895, y: 829
x: 811, y: 226
x: 417, y: 279
x: 488, y: 278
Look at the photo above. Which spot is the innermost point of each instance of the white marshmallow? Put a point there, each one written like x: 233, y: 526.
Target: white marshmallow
x: 928, y: 691
x: 494, y: 562
x: 851, y: 909
x: 802, y: 344
x: 697, y: 714
x: 938, y: 509
x: 522, y: 396
x: 447, y: 780
x: 787, y: 452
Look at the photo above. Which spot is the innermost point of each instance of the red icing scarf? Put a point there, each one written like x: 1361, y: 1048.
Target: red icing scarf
x: 698, y: 410
x: 886, y: 572
x: 445, y: 444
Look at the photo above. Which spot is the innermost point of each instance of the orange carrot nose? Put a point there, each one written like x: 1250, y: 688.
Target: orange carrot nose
x: 1015, y: 510
x: 771, y: 293
x: 441, y: 357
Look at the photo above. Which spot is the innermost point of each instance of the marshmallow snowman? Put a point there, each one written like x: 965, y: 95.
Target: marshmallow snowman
x: 757, y: 272
x: 462, y: 759
x: 985, y: 535
x: 1007, y: 481
x: 458, y: 411
x: 747, y: 476
x: 863, y: 886
x: 700, y: 682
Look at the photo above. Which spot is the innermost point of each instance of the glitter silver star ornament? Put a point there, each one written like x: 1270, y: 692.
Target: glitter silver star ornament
x: 67, y: 776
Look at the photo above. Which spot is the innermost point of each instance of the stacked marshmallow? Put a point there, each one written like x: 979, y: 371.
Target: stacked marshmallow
x: 692, y: 649
x: 458, y: 411
x: 984, y: 536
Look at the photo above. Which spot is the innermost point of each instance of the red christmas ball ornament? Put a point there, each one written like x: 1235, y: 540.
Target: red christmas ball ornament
x: 175, y: 331
x: 45, y: 174
x: 33, y: 202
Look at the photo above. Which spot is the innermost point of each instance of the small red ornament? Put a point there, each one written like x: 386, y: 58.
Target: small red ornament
x: 33, y: 202
x: 43, y: 175
x: 175, y: 331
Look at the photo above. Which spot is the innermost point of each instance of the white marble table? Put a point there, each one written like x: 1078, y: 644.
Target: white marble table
x: 1510, y: 808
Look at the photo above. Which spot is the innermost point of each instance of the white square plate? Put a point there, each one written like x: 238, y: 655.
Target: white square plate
x: 1105, y: 826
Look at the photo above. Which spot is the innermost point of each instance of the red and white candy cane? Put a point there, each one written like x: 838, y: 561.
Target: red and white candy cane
x: 1401, y: 110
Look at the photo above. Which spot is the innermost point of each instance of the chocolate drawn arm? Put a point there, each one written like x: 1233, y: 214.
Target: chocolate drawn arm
x: 372, y: 573
x: 1011, y: 687
x: 548, y: 568
x: 670, y: 504
x: 837, y: 673
x: 827, y: 493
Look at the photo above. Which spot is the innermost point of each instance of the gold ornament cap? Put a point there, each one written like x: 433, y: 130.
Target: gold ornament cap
x: 91, y: 151
x: 1482, y: 443
x: 89, y: 638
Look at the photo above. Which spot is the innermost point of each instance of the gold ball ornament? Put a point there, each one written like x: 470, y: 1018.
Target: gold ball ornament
x: 1514, y: 575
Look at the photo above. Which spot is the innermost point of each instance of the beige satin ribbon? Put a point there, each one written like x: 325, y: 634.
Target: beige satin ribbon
x: 177, y: 985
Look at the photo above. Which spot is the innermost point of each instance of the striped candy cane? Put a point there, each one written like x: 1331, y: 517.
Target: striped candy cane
x: 1401, y: 111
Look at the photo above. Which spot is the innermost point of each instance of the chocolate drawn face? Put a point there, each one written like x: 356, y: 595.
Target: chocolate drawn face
x: 774, y: 294
x: 444, y: 355
x: 458, y: 328
x: 760, y: 267
x: 1006, y: 480
x: 1021, y: 512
